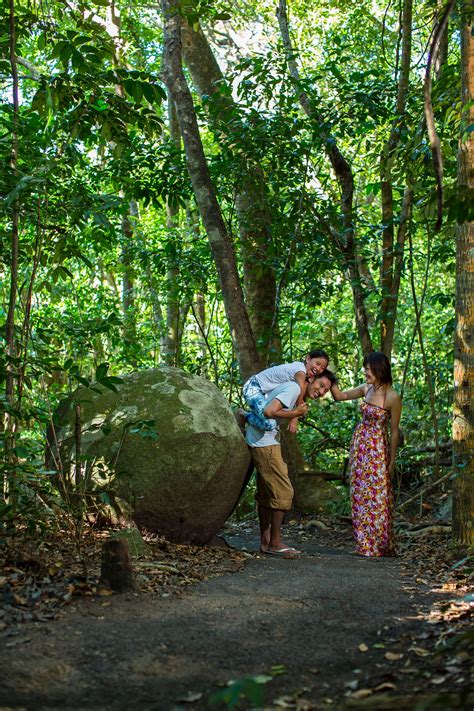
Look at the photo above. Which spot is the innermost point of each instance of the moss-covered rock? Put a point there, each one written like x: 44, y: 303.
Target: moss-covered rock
x: 166, y: 443
x: 314, y: 495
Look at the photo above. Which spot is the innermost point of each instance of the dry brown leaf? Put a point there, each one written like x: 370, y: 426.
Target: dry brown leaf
x: 18, y: 599
x: 438, y: 680
x: 393, y: 656
x: 361, y: 694
x: 420, y: 651
x: 18, y: 640
x: 385, y: 686
x: 190, y: 698
x: 285, y: 702
x: 363, y: 647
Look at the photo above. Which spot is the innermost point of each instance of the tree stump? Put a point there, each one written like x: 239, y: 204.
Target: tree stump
x: 116, y: 569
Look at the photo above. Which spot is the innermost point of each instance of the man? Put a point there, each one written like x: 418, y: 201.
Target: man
x: 274, y: 489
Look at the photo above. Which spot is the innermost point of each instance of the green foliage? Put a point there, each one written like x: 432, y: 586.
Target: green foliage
x: 249, y: 688
x: 110, y: 241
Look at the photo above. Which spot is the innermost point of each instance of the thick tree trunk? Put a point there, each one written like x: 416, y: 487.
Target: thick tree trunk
x: 204, y: 191
x: 342, y: 169
x: 252, y: 210
x: 463, y: 444
x: 259, y: 278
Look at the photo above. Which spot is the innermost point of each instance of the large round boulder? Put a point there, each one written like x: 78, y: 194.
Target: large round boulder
x: 166, y: 443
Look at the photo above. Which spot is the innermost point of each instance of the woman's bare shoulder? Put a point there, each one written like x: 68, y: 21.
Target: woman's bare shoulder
x: 392, y: 398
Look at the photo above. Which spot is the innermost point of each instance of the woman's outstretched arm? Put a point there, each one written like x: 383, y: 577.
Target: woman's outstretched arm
x: 352, y: 394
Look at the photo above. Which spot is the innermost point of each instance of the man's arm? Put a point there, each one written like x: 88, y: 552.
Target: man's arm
x: 275, y: 409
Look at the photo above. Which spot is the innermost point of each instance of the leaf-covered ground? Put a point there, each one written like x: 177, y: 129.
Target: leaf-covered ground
x: 346, y: 632
x: 39, y: 581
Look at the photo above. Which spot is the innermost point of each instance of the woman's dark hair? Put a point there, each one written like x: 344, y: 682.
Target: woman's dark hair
x: 380, y: 367
x: 318, y: 354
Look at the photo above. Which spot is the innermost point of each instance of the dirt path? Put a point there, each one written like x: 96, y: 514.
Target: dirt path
x: 307, y: 616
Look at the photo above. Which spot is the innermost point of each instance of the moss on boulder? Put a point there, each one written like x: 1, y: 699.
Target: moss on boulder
x: 314, y: 495
x: 166, y: 443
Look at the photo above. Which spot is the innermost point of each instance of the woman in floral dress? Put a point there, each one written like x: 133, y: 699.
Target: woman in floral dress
x: 372, y: 457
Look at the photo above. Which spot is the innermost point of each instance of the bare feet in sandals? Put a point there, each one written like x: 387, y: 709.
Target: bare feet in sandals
x: 284, y: 551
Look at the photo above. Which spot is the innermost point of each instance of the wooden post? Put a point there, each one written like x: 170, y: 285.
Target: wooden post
x: 116, y: 571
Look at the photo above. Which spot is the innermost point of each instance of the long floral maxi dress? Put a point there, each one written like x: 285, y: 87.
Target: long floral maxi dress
x: 371, y: 489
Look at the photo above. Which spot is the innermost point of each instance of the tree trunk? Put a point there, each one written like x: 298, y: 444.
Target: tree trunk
x: 113, y: 27
x: 128, y: 286
x: 392, y: 254
x: 463, y: 484
x: 10, y: 323
x: 252, y: 210
x: 204, y: 191
x: 169, y: 342
x: 388, y: 331
x: 443, y: 47
x: 346, y: 240
x: 199, y: 312
x: 8, y: 423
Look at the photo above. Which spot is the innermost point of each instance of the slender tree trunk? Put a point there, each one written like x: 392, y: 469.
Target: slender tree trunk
x: 390, y: 304
x: 252, y: 209
x: 463, y: 444
x: 343, y: 172
x: 113, y: 27
x: 199, y: 312
x: 424, y: 358
x: 128, y: 278
x: 392, y: 255
x: 443, y: 47
x: 157, y: 312
x: 8, y: 423
x: 204, y: 191
x: 28, y: 299
x: 170, y: 338
x: 198, y: 308
x: 10, y: 324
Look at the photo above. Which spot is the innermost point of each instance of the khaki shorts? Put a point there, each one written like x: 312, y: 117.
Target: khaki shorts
x: 274, y: 490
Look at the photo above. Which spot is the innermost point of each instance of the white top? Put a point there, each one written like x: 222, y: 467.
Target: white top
x: 271, y: 377
x: 287, y: 393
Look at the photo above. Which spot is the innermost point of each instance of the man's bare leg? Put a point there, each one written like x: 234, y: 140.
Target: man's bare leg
x: 276, y: 522
x: 265, y: 519
x: 271, y: 521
